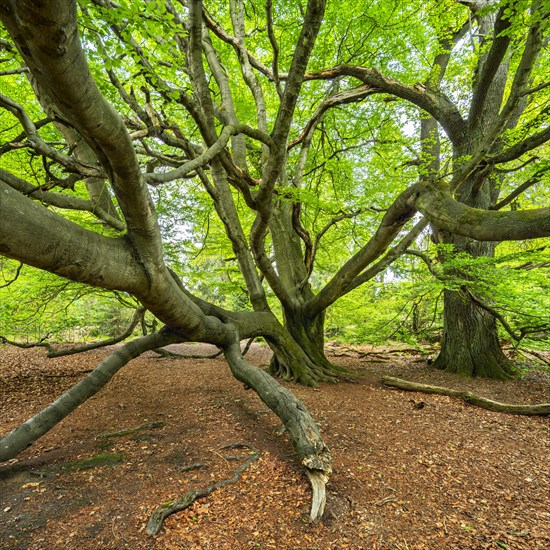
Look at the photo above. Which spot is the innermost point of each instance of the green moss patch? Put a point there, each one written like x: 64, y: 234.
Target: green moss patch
x: 96, y: 461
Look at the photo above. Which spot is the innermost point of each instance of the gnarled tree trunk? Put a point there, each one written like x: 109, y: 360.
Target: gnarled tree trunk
x: 470, y: 344
x: 302, y: 356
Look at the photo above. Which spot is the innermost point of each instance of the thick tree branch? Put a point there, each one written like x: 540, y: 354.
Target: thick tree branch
x: 27, y: 433
x: 39, y: 237
x: 516, y: 151
x: 432, y: 101
x: 490, y: 65
x: 482, y: 225
x: 392, y: 222
x: 496, y: 314
x: 520, y: 84
x: 41, y: 147
x: 354, y: 95
x: 304, y: 433
x: 231, y: 40
x: 533, y: 180
x: 274, y: 46
x: 392, y: 255
x: 60, y: 200
x: 47, y: 38
x: 208, y: 155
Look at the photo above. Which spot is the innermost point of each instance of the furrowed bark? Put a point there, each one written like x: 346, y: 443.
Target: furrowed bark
x: 27, y: 433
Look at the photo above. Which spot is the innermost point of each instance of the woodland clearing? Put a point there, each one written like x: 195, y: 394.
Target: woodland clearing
x: 411, y: 470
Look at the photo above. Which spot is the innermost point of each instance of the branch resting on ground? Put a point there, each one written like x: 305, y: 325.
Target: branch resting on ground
x: 27, y: 433
x: 160, y: 513
x: 542, y: 409
x: 304, y: 433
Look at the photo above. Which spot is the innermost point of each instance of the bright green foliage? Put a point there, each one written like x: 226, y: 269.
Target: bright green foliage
x: 362, y: 156
x: 38, y: 305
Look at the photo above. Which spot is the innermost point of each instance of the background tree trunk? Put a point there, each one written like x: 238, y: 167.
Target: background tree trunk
x: 470, y: 344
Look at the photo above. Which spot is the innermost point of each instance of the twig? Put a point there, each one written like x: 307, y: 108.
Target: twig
x: 384, y: 501
x: 192, y: 467
x: 130, y: 431
x: 174, y: 355
x: 160, y: 513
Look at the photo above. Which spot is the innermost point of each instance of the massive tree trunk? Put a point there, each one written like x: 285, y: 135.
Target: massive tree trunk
x: 470, y: 344
x: 470, y: 338
x: 300, y: 356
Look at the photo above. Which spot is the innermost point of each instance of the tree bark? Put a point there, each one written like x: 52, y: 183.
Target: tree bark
x: 301, y: 357
x: 304, y: 433
x: 470, y: 344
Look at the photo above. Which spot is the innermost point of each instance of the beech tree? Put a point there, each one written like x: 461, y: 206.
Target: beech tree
x: 138, y: 95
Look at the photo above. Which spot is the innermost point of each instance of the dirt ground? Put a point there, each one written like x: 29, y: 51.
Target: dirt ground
x: 411, y: 470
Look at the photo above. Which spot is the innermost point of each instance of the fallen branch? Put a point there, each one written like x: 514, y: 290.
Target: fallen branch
x: 131, y: 431
x: 535, y: 354
x: 174, y: 355
x: 382, y: 354
x: 138, y: 314
x: 52, y: 352
x: 542, y: 409
x: 156, y: 519
x: 384, y: 501
x: 40, y: 344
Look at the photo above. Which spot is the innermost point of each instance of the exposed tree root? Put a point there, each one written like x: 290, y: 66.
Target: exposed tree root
x: 308, y: 372
x: 131, y: 431
x: 542, y: 409
x: 156, y: 519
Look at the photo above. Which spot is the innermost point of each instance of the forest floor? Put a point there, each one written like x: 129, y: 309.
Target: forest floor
x: 411, y: 470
